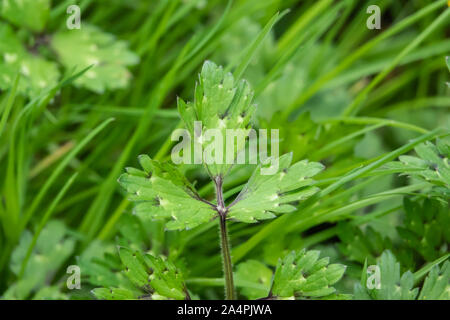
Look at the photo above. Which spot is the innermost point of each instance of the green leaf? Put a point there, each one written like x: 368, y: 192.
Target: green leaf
x: 31, y: 14
x: 431, y: 165
x: 265, y: 195
x: 220, y: 103
x: 53, y: 247
x: 254, y: 272
x: 425, y: 227
x: 162, y: 192
x: 97, y: 262
x: 395, y: 287
x: 151, y: 277
x: 357, y: 245
x: 437, y: 284
x: 392, y: 285
x: 303, y: 274
x: 36, y: 73
x: 132, y: 231
x: 81, y: 48
x: 114, y: 294
x: 135, y: 268
x: 165, y: 279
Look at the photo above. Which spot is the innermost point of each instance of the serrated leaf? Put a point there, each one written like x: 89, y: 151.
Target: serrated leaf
x: 135, y: 268
x: 220, y: 103
x: 431, y: 165
x: 31, y: 14
x: 36, y: 73
x: 132, y: 232
x: 425, y: 227
x: 257, y: 273
x: 303, y: 274
x: 392, y: 285
x: 165, y: 279
x: 162, y: 192
x: 89, y: 46
x: 357, y: 245
x: 97, y: 263
x: 437, y: 284
x: 151, y: 278
x: 265, y: 195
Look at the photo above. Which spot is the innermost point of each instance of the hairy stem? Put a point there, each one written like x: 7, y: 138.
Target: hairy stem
x: 224, y: 243
x: 226, y: 257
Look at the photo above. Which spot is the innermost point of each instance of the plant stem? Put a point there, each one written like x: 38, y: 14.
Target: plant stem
x: 224, y: 244
x: 226, y: 257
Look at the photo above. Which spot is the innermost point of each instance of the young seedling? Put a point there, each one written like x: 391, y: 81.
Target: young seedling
x: 161, y: 191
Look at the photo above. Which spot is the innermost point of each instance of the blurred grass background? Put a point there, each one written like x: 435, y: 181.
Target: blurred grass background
x: 320, y: 75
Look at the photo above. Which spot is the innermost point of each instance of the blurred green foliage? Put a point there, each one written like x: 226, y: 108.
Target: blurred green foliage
x: 370, y: 105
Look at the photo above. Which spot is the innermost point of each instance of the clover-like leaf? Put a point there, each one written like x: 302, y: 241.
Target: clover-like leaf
x: 265, y: 195
x: 31, y: 14
x: 303, y: 274
x: 162, y: 192
x: 220, y: 103
x: 89, y: 46
x: 36, y: 73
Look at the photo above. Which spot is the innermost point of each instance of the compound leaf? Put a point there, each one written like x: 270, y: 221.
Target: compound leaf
x: 162, y: 192
x: 264, y: 195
